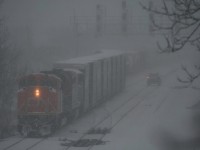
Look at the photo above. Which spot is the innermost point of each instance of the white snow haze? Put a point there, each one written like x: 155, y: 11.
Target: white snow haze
x: 150, y: 117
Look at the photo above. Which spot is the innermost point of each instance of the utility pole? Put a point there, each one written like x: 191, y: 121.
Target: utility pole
x: 124, y: 17
x: 76, y: 34
x: 99, y: 19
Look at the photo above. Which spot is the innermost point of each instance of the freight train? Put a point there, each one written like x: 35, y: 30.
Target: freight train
x: 49, y: 99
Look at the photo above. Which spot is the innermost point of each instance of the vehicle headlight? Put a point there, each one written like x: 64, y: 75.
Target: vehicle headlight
x: 37, y: 92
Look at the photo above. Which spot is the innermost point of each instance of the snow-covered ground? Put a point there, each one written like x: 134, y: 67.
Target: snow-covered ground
x: 141, y: 118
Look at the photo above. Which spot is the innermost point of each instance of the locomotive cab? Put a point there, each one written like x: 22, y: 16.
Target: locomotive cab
x: 39, y: 102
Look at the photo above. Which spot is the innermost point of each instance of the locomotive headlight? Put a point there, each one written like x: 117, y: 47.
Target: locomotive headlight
x: 37, y: 93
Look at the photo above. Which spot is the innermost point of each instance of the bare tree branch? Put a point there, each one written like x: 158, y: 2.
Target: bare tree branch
x: 182, y: 15
x: 181, y: 28
x: 190, y: 77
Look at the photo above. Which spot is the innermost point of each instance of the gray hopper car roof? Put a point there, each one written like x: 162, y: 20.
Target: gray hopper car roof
x: 91, y: 58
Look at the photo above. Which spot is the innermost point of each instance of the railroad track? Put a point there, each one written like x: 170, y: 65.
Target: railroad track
x: 22, y: 140
x: 84, y: 135
x: 12, y: 145
x: 38, y: 142
x: 22, y: 143
x: 81, y: 138
x: 32, y: 145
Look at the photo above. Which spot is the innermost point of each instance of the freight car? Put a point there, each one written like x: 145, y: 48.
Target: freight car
x: 135, y: 61
x: 50, y: 99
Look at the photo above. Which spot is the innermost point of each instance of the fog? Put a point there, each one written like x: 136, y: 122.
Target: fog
x: 47, y: 31
x: 41, y: 28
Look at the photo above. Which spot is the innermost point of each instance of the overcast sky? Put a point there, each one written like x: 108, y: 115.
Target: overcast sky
x: 48, y: 25
x: 42, y: 15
